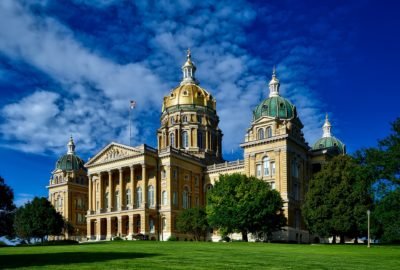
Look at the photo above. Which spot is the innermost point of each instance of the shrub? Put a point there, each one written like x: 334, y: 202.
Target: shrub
x: 172, y: 238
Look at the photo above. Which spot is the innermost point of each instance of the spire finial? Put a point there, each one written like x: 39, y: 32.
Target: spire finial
x: 274, y: 71
x: 188, y: 54
x: 71, y: 146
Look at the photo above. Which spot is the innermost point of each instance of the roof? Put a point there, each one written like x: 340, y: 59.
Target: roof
x: 70, y: 162
x: 329, y: 143
x: 275, y: 106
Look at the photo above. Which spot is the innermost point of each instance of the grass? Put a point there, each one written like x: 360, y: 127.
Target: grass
x: 191, y: 255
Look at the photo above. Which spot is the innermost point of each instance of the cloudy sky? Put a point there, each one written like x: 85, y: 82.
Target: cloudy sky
x: 71, y: 67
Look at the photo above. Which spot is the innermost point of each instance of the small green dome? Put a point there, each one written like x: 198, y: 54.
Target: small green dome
x: 328, y: 143
x: 275, y: 106
x: 70, y: 162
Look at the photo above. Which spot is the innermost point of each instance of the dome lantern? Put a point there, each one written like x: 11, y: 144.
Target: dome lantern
x: 326, y: 128
x: 274, y: 85
x: 71, y: 146
x: 189, y: 70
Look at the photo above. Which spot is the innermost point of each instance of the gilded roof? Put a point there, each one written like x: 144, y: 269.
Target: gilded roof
x: 189, y: 94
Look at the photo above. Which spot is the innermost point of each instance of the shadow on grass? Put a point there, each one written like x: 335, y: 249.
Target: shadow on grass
x: 41, y: 259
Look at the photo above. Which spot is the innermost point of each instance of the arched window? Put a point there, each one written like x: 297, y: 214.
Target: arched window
x: 128, y: 197
x: 266, y: 166
x: 79, y: 203
x: 260, y: 133
x: 269, y: 132
x: 106, y: 200
x: 139, y: 197
x: 164, y: 198
x: 56, y: 180
x: 59, y: 202
x: 172, y: 139
x: 185, y: 198
x: 150, y: 196
x: 184, y: 119
x: 200, y: 139
x: 116, y: 198
x: 185, y: 139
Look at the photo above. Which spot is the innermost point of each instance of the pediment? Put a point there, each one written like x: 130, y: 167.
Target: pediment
x: 111, y: 152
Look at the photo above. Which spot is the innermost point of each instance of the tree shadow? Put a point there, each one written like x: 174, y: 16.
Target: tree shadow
x: 43, y: 259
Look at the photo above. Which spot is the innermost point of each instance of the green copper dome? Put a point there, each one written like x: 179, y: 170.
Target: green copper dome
x: 275, y: 106
x: 70, y: 162
x: 328, y: 143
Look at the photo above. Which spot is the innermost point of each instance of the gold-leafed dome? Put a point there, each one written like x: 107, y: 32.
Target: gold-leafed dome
x: 189, y: 94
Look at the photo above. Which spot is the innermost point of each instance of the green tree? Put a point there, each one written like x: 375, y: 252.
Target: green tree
x: 37, y: 219
x: 193, y: 221
x: 7, y: 209
x: 338, y: 199
x: 238, y: 203
x: 386, y: 218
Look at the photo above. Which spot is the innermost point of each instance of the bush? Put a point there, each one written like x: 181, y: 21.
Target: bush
x: 172, y: 238
x: 225, y: 238
x: 117, y: 238
x: 52, y: 243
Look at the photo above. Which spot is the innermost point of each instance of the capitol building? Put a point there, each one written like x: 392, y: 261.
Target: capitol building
x: 137, y: 191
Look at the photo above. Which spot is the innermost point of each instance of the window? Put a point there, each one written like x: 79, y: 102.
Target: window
x: 184, y: 119
x: 273, y: 168
x: 259, y: 170
x: 172, y: 120
x: 175, y: 198
x: 266, y: 166
x: 139, y: 197
x: 272, y: 185
x: 295, y: 169
x: 59, y: 201
x: 269, y: 132
x: 151, y: 225
x: 172, y: 139
x: 185, y: 198
x: 164, y: 224
x: 128, y: 197
x: 106, y: 200
x: 185, y: 139
x: 163, y: 174
x: 150, y: 196
x: 199, y: 119
x: 200, y: 139
x: 79, y: 203
x: 197, y: 202
x: 116, y: 198
x: 196, y: 181
x: 175, y: 174
x: 260, y: 133
x: 164, y: 198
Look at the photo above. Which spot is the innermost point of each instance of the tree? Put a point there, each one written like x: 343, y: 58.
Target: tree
x: 37, y: 219
x: 386, y: 218
x: 238, y: 203
x: 338, y: 199
x: 193, y: 221
x: 7, y: 209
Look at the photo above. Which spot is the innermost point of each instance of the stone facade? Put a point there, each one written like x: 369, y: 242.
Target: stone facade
x: 138, y: 192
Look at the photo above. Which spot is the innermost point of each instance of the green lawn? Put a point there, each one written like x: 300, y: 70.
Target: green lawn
x: 189, y: 255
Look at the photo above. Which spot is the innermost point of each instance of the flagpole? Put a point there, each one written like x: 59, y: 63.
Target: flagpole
x: 130, y: 128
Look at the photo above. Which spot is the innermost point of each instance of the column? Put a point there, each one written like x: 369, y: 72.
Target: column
x: 122, y: 189
x: 110, y: 192
x: 108, y: 237
x: 88, y: 229
x: 98, y: 229
x: 133, y: 186
x: 130, y: 233
x: 101, y: 193
x: 144, y: 223
x: 145, y: 180
x: 65, y: 205
x: 120, y: 226
x: 207, y: 141
x: 90, y: 193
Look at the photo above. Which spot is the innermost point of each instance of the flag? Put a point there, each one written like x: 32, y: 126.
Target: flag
x: 133, y: 104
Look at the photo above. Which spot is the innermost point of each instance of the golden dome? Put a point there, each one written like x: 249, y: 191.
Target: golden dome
x: 189, y: 94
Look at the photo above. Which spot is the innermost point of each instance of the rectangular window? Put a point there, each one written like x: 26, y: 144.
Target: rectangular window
x: 259, y: 170
x: 272, y: 185
x: 272, y: 168
x: 175, y: 198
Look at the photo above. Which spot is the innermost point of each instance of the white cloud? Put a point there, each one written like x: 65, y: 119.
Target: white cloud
x: 93, y: 103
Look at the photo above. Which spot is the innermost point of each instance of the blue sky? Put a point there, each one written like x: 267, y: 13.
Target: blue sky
x: 71, y: 67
